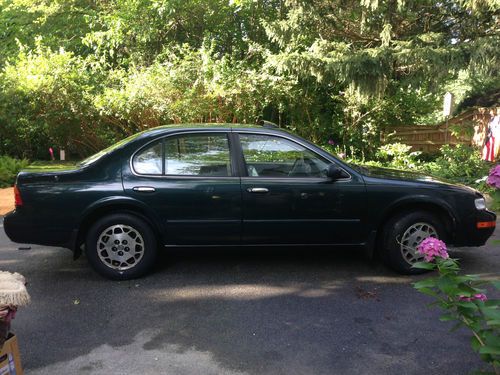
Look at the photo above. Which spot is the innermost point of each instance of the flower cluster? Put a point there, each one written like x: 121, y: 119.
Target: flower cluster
x: 479, y: 297
x: 494, y: 177
x: 432, y: 248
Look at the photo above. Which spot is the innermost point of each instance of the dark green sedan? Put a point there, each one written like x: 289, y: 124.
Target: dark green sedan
x: 227, y: 185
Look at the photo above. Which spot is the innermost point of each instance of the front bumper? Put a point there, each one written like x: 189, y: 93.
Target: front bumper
x: 468, y: 234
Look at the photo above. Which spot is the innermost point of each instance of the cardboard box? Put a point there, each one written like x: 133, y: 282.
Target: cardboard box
x: 10, y: 359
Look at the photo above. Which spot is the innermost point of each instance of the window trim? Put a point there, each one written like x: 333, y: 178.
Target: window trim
x: 244, y: 171
x: 234, y: 171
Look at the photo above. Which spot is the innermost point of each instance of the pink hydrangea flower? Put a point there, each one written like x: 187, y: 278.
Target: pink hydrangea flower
x: 494, y: 177
x: 432, y: 248
x: 480, y: 297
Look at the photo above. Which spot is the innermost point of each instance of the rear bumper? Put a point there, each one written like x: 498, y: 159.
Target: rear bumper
x: 22, y: 229
x: 470, y: 235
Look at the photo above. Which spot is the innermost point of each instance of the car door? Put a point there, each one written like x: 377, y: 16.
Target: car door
x: 287, y: 197
x: 191, y: 183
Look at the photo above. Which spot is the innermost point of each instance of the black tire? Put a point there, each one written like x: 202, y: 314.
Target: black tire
x: 394, y: 253
x: 121, y: 262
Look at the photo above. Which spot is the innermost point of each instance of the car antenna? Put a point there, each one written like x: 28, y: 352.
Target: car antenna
x: 267, y: 124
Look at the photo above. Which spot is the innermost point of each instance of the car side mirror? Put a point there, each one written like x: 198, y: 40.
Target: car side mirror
x: 334, y: 172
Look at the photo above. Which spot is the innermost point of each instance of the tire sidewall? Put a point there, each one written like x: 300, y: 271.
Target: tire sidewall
x: 150, y: 246
x: 395, y: 229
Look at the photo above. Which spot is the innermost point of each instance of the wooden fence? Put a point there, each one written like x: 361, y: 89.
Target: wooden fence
x: 467, y: 128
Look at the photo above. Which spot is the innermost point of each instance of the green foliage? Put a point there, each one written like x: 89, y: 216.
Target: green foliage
x: 45, y: 101
x: 462, y: 300
x: 9, y: 168
x: 398, y: 155
x: 460, y: 163
x: 81, y: 74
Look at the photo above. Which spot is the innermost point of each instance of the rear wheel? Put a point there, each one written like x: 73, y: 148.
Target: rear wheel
x: 121, y: 247
x: 402, y: 235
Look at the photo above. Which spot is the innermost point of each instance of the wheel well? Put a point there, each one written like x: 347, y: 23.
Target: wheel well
x: 100, y: 212
x: 444, y: 216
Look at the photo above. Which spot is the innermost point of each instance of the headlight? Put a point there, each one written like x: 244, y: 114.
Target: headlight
x: 480, y: 204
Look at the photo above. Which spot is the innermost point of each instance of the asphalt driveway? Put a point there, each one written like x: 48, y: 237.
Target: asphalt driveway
x: 236, y: 312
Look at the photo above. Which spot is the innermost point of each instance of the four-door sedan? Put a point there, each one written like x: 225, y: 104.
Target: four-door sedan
x: 227, y: 185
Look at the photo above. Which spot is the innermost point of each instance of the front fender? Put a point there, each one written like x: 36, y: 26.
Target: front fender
x: 421, y: 201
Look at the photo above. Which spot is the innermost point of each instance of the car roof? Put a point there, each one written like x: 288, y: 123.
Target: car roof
x: 165, y: 129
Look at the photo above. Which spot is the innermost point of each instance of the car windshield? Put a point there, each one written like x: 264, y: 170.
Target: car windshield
x: 100, y: 154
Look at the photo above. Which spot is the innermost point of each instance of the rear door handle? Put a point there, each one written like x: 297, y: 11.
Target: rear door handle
x: 144, y: 189
x: 258, y: 190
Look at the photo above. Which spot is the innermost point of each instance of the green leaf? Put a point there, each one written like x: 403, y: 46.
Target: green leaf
x: 476, y: 345
x: 430, y: 282
x: 446, y: 318
x: 489, y: 350
x: 492, y: 313
x: 424, y: 266
x: 467, y: 305
x: 456, y: 326
x: 491, y: 338
x: 447, y: 285
x: 428, y: 292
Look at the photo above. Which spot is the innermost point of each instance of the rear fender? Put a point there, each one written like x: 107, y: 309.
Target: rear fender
x: 110, y: 205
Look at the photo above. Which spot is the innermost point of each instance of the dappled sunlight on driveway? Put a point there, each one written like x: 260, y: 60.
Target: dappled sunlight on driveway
x: 236, y: 292
x: 170, y: 359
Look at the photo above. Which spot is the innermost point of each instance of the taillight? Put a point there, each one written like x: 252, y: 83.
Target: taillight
x: 486, y: 224
x: 17, y: 197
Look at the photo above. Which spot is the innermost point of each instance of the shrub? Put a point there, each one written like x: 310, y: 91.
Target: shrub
x: 9, y: 168
x: 461, y: 163
x: 463, y: 300
x: 398, y: 155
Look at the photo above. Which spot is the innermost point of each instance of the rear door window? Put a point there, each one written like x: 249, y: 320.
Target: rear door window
x: 149, y: 160
x: 198, y: 155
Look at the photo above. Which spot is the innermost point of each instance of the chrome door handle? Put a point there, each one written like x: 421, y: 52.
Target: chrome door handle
x: 258, y: 190
x: 144, y: 189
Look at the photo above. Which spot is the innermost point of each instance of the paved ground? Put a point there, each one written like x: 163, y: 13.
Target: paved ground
x: 234, y: 312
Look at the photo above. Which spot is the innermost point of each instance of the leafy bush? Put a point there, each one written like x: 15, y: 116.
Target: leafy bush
x: 398, y: 155
x: 463, y: 300
x: 45, y: 102
x: 9, y: 168
x: 492, y: 183
x: 460, y: 163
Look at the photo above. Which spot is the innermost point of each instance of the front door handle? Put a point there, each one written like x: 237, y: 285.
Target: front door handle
x: 144, y: 189
x: 258, y: 190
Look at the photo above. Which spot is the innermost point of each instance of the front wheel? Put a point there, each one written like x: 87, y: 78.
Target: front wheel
x: 121, y: 247
x: 402, y: 235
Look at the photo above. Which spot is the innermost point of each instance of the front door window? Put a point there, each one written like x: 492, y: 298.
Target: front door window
x: 269, y: 156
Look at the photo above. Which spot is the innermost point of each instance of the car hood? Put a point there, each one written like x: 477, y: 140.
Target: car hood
x: 399, y: 175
